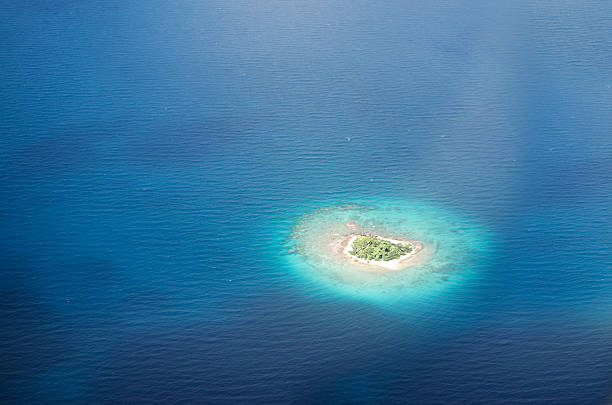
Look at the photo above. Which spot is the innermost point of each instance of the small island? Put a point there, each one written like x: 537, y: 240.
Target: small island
x: 379, y: 251
x: 374, y: 248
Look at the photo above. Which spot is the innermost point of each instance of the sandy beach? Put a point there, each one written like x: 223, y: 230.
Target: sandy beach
x: 346, y: 245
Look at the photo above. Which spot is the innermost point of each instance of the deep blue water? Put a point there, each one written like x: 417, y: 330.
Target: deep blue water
x: 156, y: 155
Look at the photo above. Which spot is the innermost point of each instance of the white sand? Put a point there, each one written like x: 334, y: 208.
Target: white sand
x: 395, y: 264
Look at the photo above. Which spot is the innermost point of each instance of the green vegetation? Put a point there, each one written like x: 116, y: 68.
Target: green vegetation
x: 373, y: 248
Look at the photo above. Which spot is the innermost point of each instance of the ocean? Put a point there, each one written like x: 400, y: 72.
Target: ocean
x: 170, y: 170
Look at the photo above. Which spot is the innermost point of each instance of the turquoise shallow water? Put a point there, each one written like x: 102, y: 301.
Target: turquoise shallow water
x: 157, y: 157
x: 454, y: 247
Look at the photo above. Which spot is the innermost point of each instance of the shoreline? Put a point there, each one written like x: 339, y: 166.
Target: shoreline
x: 393, y: 265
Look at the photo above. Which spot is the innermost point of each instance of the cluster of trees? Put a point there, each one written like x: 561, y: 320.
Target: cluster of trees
x: 373, y: 248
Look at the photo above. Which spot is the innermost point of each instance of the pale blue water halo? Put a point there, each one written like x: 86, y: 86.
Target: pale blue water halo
x: 453, y: 248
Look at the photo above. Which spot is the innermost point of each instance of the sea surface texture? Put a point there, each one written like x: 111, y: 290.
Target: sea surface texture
x: 170, y: 171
